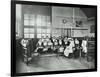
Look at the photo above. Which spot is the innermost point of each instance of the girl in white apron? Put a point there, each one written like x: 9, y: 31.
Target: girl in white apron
x: 39, y: 46
x: 72, y: 45
x: 65, y: 42
x: 50, y: 46
x: 25, y: 44
x: 60, y: 42
x: 67, y: 50
x: 84, y: 46
x: 40, y: 43
x: 47, y: 39
x: 45, y: 49
x: 61, y: 48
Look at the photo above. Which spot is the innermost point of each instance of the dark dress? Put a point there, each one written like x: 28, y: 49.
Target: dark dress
x: 76, y: 51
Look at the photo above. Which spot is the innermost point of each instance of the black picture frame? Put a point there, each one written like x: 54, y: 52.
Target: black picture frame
x: 13, y: 38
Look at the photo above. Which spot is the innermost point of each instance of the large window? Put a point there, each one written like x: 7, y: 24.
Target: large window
x: 39, y: 23
x: 29, y: 22
x: 28, y: 32
x: 43, y: 26
x: 43, y: 20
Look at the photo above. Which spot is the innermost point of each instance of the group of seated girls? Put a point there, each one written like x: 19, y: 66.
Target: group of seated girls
x: 61, y: 45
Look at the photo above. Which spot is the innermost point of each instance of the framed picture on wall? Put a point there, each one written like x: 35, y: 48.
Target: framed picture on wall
x: 46, y: 39
x: 78, y: 23
x: 92, y: 29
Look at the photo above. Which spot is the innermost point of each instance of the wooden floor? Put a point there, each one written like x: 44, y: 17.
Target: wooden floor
x: 53, y: 63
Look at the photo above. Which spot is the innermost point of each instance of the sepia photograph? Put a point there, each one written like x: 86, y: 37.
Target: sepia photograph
x: 52, y: 37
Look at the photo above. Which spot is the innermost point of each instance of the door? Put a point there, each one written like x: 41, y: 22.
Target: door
x: 66, y: 32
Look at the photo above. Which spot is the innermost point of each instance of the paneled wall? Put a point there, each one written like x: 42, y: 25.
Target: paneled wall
x: 70, y: 14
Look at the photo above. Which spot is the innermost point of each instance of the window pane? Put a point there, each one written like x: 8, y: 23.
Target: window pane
x: 26, y: 35
x: 38, y: 20
x: 38, y: 35
x: 32, y: 22
x: 32, y: 19
x: 48, y: 21
x: 48, y: 24
x: 31, y: 30
x: 26, y: 30
x: 44, y: 30
x: 38, y: 30
x: 48, y: 30
x: 26, y: 16
x: 43, y: 21
x: 32, y: 16
x: 31, y: 35
x: 26, y: 22
x: 44, y: 35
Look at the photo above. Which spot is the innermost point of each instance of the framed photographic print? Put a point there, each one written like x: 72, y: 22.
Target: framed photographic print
x: 52, y: 38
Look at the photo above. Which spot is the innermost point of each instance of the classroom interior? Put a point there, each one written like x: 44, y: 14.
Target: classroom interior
x: 36, y: 21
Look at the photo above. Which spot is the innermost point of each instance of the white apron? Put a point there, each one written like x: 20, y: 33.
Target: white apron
x: 24, y: 42
x: 84, y: 43
x: 60, y: 42
x: 71, y: 46
x: 45, y: 44
x: 67, y: 51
